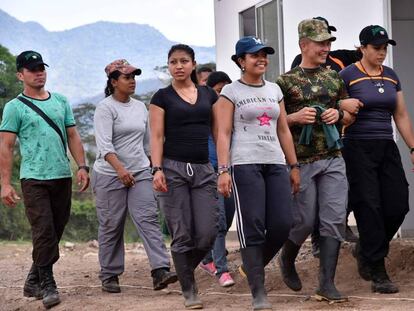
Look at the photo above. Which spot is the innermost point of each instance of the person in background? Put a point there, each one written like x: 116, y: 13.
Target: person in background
x: 311, y: 94
x: 215, y: 263
x: 378, y: 186
x: 202, y: 75
x: 45, y: 173
x: 250, y: 115
x: 122, y: 181
x: 185, y: 181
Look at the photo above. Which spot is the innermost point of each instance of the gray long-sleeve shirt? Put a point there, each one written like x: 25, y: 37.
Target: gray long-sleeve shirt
x: 122, y: 129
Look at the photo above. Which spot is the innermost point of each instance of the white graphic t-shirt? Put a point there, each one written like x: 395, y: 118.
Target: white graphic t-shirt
x: 256, y: 111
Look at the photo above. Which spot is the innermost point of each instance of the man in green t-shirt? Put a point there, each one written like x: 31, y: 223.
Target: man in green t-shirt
x: 311, y: 95
x: 45, y: 172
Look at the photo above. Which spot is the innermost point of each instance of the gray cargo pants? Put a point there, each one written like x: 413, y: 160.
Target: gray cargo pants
x: 113, y: 200
x: 323, y: 184
x: 190, y: 205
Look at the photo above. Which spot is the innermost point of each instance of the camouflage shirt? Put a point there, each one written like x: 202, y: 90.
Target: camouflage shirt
x: 305, y: 88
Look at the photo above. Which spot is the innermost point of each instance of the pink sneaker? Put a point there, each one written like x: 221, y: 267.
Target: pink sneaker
x: 226, y: 280
x: 210, y: 268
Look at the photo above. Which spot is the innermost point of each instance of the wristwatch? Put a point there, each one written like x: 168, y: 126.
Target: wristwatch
x: 155, y: 169
x: 84, y: 167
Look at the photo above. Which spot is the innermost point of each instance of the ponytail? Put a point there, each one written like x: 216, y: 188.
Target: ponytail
x: 109, y: 89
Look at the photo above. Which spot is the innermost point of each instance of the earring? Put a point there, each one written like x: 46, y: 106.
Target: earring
x: 243, y: 69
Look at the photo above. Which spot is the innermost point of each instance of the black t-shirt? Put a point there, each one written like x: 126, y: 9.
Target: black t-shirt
x: 336, y: 60
x: 186, y: 126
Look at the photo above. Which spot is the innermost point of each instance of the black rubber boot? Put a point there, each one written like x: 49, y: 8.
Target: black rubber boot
x: 184, y: 263
x: 381, y: 282
x: 287, y: 265
x: 252, y: 257
x: 32, y: 284
x: 329, y: 251
x: 111, y: 285
x: 364, y: 268
x: 48, y: 286
x: 161, y: 277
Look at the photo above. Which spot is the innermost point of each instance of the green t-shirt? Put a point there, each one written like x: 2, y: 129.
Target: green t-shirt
x: 305, y: 88
x: 43, y: 155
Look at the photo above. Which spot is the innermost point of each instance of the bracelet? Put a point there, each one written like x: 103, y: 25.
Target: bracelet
x: 340, y: 115
x: 224, y: 166
x: 295, y: 165
x: 222, y: 171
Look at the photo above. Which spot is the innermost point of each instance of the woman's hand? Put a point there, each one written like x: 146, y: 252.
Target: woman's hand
x: 159, y: 183
x: 126, y: 177
x: 295, y: 179
x: 224, y: 184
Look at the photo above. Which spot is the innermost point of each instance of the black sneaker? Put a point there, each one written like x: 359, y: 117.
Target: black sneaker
x: 111, y: 285
x: 162, y: 277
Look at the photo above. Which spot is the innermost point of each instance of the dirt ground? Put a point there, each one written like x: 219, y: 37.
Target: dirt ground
x: 77, y: 276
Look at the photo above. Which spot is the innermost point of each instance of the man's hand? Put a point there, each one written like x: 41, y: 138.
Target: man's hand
x: 9, y: 196
x: 82, y: 178
x: 304, y: 116
x: 330, y: 116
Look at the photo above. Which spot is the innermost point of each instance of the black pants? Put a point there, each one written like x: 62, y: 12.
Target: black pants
x: 47, y: 204
x: 378, y: 193
x: 263, y: 200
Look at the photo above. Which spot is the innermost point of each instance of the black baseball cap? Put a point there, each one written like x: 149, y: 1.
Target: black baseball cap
x: 29, y: 60
x: 330, y: 27
x: 375, y: 35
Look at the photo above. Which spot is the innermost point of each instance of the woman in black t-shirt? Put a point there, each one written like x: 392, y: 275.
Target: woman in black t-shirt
x: 180, y: 121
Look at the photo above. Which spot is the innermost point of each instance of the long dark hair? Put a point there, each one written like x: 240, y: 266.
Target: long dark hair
x: 187, y: 49
x: 109, y: 89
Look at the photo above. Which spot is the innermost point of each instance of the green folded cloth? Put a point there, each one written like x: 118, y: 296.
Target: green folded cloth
x: 331, y: 132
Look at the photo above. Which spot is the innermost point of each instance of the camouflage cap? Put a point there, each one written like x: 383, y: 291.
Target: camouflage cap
x: 315, y: 30
x: 122, y: 66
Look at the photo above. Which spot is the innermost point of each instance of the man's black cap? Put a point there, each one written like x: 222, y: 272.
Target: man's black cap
x: 375, y: 35
x: 330, y: 27
x: 29, y: 60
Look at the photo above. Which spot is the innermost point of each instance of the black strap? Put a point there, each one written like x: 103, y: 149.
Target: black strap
x: 45, y: 117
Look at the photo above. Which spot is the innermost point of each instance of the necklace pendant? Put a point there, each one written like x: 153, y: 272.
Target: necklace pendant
x: 381, y: 90
x: 314, y: 88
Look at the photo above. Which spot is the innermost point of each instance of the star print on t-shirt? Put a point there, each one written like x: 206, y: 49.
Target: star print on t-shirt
x: 264, y: 119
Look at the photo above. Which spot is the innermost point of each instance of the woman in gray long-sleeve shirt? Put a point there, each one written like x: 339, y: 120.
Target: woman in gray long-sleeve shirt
x: 122, y: 181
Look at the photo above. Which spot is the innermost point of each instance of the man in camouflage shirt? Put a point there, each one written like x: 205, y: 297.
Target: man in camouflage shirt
x: 311, y: 95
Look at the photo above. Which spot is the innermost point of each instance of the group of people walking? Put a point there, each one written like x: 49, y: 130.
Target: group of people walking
x: 288, y: 157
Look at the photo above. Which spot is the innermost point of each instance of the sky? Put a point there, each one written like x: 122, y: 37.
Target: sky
x: 186, y: 21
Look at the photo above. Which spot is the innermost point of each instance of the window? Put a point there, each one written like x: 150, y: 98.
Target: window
x: 269, y: 27
x: 265, y: 22
x: 248, y: 22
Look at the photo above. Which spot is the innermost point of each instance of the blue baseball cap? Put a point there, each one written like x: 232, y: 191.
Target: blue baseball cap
x: 249, y: 45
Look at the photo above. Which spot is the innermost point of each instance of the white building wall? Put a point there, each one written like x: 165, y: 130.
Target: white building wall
x: 348, y: 16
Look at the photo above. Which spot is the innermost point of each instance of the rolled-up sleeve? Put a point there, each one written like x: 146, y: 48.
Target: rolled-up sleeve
x: 103, y: 125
